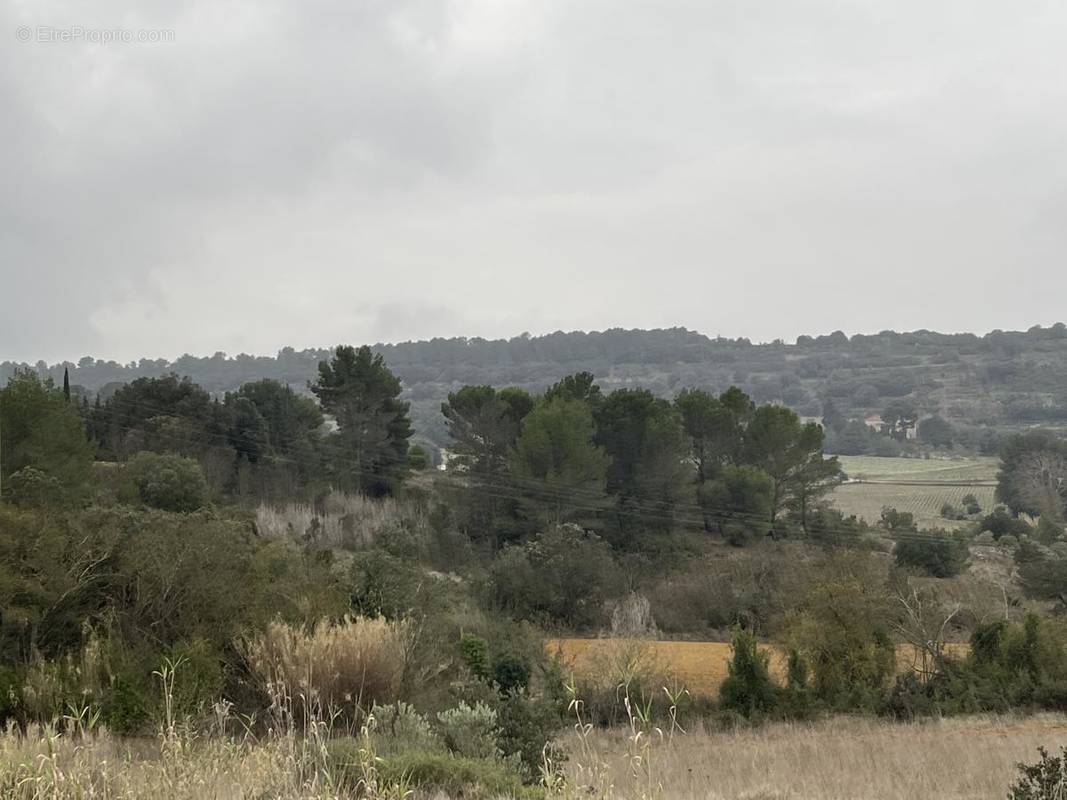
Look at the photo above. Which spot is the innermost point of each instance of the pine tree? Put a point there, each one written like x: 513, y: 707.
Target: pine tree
x: 363, y: 396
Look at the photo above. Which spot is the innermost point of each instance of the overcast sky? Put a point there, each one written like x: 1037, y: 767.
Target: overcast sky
x: 320, y: 172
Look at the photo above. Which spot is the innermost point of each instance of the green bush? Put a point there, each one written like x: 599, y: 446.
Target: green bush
x: 399, y: 727
x: 456, y: 776
x: 164, y: 481
x: 33, y: 488
x: 527, y: 725
x: 748, y: 689
x: 1046, y: 779
x: 381, y: 584
x: 511, y: 673
x: 474, y: 652
x: 938, y: 553
x: 1000, y: 522
x: 562, y: 576
x: 470, y: 730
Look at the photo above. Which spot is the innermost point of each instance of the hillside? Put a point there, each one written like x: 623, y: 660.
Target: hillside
x: 1002, y: 380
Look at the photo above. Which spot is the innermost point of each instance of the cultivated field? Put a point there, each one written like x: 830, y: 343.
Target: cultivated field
x: 699, y: 667
x: 919, y: 486
x: 949, y: 759
x: 875, y: 468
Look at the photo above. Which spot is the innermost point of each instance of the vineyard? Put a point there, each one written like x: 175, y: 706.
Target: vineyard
x: 919, y: 486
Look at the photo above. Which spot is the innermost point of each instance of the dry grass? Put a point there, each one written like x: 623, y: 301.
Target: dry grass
x: 355, y: 663
x: 341, y: 520
x: 43, y: 765
x: 700, y: 667
x: 963, y: 757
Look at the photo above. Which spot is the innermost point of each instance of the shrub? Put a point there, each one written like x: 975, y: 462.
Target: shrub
x: 33, y: 488
x: 748, y: 689
x: 448, y: 775
x: 164, y: 481
x: 474, y: 651
x: 938, y: 553
x: 511, y: 673
x: 949, y: 511
x: 380, y: 584
x: 1001, y: 523
x: 1046, y: 779
x: 197, y: 676
x: 399, y: 727
x: 357, y: 662
x: 527, y: 725
x: 470, y: 730
x: 841, y: 631
x: 564, y: 575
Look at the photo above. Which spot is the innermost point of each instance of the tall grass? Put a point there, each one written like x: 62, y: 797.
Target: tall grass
x: 842, y: 757
x: 339, y: 667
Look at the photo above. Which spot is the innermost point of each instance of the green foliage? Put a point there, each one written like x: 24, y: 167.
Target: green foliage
x: 643, y: 437
x: 558, y: 470
x: 580, y: 387
x: 42, y: 432
x: 562, y: 576
x: 418, y: 458
x: 165, y: 481
x: 937, y: 432
x: 1046, y: 779
x: 527, y: 725
x: 369, y: 453
x: 714, y: 427
x: 470, y: 730
x: 474, y: 652
x: 398, y: 727
x: 454, y: 776
x: 1033, y: 474
x: 32, y: 488
x: 748, y: 689
x: 383, y: 584
x: 511, y: 673
x: 938, y: 553
x: 791, y: 454
x: 275, y: 436
x: 841, y: 633
x: 898, y: 521
x: 484, y: 425
x: 739, y: 502
x: 1000, y: 522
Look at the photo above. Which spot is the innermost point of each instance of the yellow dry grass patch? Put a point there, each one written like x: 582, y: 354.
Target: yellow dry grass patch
x: 700, y: 667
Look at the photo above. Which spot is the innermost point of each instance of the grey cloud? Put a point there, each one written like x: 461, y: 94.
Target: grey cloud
x: 311, y: 173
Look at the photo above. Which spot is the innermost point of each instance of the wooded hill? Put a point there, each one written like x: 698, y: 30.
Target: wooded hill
x: 1002, y: 380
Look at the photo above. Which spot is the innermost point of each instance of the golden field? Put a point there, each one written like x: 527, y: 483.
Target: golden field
x: 700, y: 667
